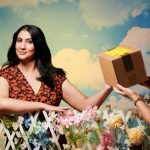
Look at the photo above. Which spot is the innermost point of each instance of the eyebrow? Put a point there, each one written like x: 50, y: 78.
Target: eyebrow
x: 26, y: 39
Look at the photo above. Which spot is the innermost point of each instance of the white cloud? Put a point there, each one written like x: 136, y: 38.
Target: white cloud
x: 16, y: 3
x: 75, y: 2
x: 139, y: 38
x: 138, y: 10
x: 81, y: 67
x: 99, y: 13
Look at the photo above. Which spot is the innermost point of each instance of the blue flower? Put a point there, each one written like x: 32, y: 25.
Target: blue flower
x: 46, y: 141
x: 39, y: 137
x: 43, y: 137
x: 34, y: 141
x: 27, y: 121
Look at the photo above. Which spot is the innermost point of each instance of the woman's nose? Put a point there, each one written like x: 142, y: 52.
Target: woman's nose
x: 22, y: 45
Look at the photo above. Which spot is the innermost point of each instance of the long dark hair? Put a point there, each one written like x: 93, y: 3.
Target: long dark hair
x: 42, y: 55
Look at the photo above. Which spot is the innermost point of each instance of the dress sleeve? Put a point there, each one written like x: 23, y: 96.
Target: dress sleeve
x: 6, y: 73
x: 3, y: 74
x: 61, y: 79
x: 58, y: 81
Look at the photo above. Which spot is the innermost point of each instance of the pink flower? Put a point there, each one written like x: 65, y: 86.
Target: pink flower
x: 73, y: 118
x: 89, y: 113
x: 106, y: 140
x: 100, y: 147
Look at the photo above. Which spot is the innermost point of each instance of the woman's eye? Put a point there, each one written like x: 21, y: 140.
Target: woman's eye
x: 30, y: 42
x: 19, y: 40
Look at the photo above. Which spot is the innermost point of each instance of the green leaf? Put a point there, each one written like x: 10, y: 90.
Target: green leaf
x: 8, y: 121
x: 95, y: 137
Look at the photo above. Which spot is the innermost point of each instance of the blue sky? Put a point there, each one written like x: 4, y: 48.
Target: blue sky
x: 92, y: 24
x: 78, y: 30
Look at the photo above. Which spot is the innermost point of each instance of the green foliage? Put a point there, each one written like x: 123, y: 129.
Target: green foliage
x: 8, y: 121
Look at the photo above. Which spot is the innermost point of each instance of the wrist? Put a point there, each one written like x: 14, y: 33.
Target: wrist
x: 108, y: 87
x: 139, y: 99
x: 42, y: 107
x: 134, y: 97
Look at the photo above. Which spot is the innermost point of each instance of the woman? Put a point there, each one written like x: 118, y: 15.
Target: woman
x: 30, y: 75
x: 143, y: 108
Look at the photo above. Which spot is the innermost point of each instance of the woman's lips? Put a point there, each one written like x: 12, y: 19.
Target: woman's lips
x: 22, y: 53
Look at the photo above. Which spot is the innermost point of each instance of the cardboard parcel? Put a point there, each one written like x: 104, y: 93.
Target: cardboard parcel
x: 123, y: 65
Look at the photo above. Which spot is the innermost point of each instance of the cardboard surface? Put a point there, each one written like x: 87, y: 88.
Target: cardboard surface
x: 123, y: 65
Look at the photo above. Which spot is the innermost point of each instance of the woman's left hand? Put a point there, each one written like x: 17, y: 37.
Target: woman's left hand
x: 56, y: 108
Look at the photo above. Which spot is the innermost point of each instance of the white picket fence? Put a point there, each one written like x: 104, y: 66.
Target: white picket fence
x: 48, y: 119
x: 11, y: 136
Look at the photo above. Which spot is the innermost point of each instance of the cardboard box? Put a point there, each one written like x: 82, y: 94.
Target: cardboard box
x: 123, y: 65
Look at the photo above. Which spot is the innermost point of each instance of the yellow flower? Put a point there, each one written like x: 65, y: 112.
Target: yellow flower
x: 116, y: 122
x: 135, y: 136
x: 79, y: 144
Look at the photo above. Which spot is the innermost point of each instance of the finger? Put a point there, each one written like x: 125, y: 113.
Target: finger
x: 63, y: 109
x: 67, y: 108
x: 125, y: 90
x: 122, y: 93
x: 121, y: 87
x: 119, y: 91
x: 116, y: 89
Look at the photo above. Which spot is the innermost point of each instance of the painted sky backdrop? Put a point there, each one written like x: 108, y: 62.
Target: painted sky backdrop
x: 78, y: 30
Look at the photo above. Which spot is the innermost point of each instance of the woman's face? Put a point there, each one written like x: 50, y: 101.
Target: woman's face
x: 24, y: 46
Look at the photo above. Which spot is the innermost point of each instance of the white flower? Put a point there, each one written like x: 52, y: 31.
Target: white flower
x: 37, y: 148
x: 60, y: 130
x: 123, y: 128
x: 18, y: 134
x: 66, y: 146
x: 15, y: 140
x: 94, y: 125
x: 52, y: 115
x: 23, y: 146
x: 38, y: 126
x: 127, y: 141
x: 44, y: 125
x: 20, y: 120
x: 15, y: 126
x: 39, y: 123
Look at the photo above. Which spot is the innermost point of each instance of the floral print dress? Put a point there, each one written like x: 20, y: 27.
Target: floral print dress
x: 19, y: 88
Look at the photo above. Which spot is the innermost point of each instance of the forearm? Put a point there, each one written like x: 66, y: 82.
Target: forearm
x: 98, y: 98
x: 8, y: 105
x: 144, y: 109
x: 79, y: 101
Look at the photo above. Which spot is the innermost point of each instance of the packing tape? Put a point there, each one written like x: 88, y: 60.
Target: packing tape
x: 119, y: 51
